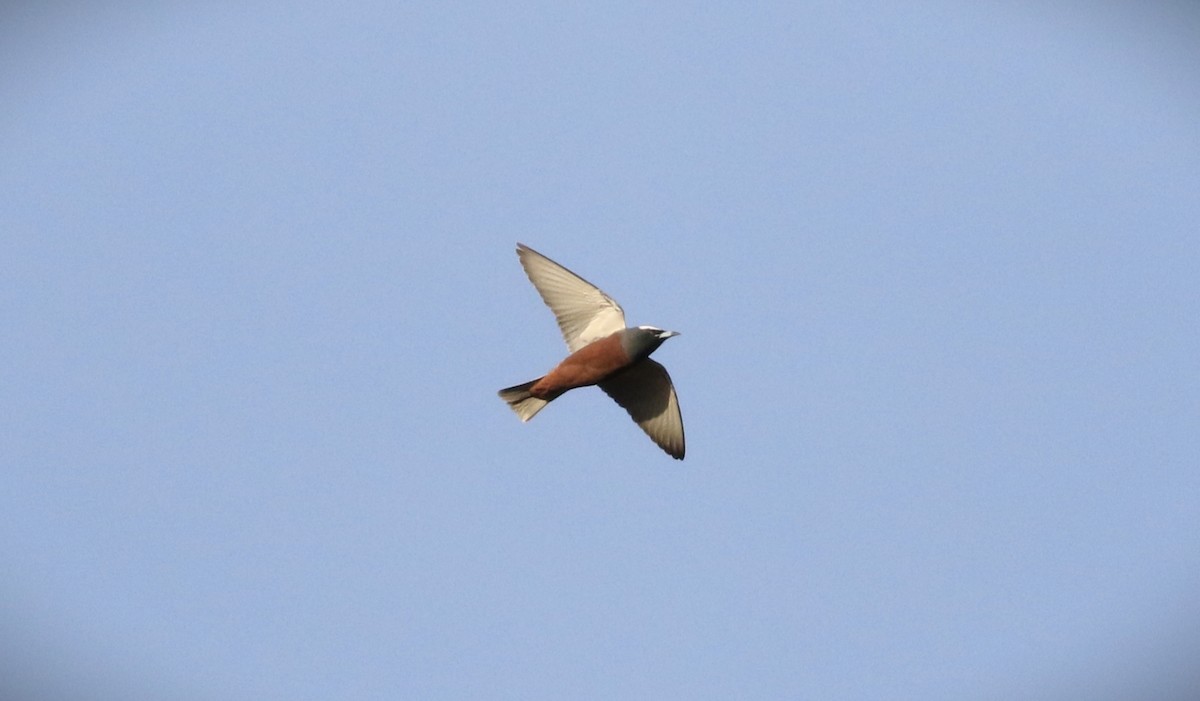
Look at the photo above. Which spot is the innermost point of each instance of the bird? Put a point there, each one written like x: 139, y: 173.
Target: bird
x: 602, y: 352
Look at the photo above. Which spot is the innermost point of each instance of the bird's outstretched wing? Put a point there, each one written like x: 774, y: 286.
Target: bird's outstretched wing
x: 644, y: 389
x: 584, y: 312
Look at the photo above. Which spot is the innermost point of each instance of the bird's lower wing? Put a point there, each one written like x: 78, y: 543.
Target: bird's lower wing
x: 645, y: 391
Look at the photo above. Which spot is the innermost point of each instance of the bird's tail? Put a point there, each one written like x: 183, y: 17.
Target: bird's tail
x: 521, y: 401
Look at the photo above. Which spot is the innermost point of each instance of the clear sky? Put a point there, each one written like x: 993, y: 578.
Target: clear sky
x: 936, y: 267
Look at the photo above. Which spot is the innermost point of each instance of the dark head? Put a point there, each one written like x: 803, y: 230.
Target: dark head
x: 642, y: 341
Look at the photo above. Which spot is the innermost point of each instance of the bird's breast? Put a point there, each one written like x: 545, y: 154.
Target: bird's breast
x: 584, y: 367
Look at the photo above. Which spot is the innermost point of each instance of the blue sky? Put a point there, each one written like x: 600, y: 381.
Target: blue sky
x: 936, y: 270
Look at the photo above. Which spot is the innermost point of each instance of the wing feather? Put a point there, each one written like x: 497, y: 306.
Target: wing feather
x: 583, y: 311
x: 646, y: 392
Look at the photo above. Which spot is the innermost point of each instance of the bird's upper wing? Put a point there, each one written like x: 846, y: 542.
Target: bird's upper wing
x: 644, y: 389
x: 584, y: 312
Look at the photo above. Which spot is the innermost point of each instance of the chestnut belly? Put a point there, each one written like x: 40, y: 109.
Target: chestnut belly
x: 584, y: 367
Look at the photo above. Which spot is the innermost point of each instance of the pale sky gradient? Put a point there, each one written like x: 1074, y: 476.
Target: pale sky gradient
x: 936, y: 266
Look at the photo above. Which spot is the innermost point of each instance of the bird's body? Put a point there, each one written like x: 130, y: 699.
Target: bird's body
x: 603, y: 352
x: 584, y: 367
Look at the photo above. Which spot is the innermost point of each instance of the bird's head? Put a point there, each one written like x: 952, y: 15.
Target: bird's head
x: 641, y: 341
x: 658, y: 333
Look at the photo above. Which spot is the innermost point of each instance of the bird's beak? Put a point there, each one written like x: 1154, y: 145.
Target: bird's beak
x: 669, y: 334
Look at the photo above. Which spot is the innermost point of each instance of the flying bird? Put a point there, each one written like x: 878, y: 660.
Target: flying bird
x: 603, y: 352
